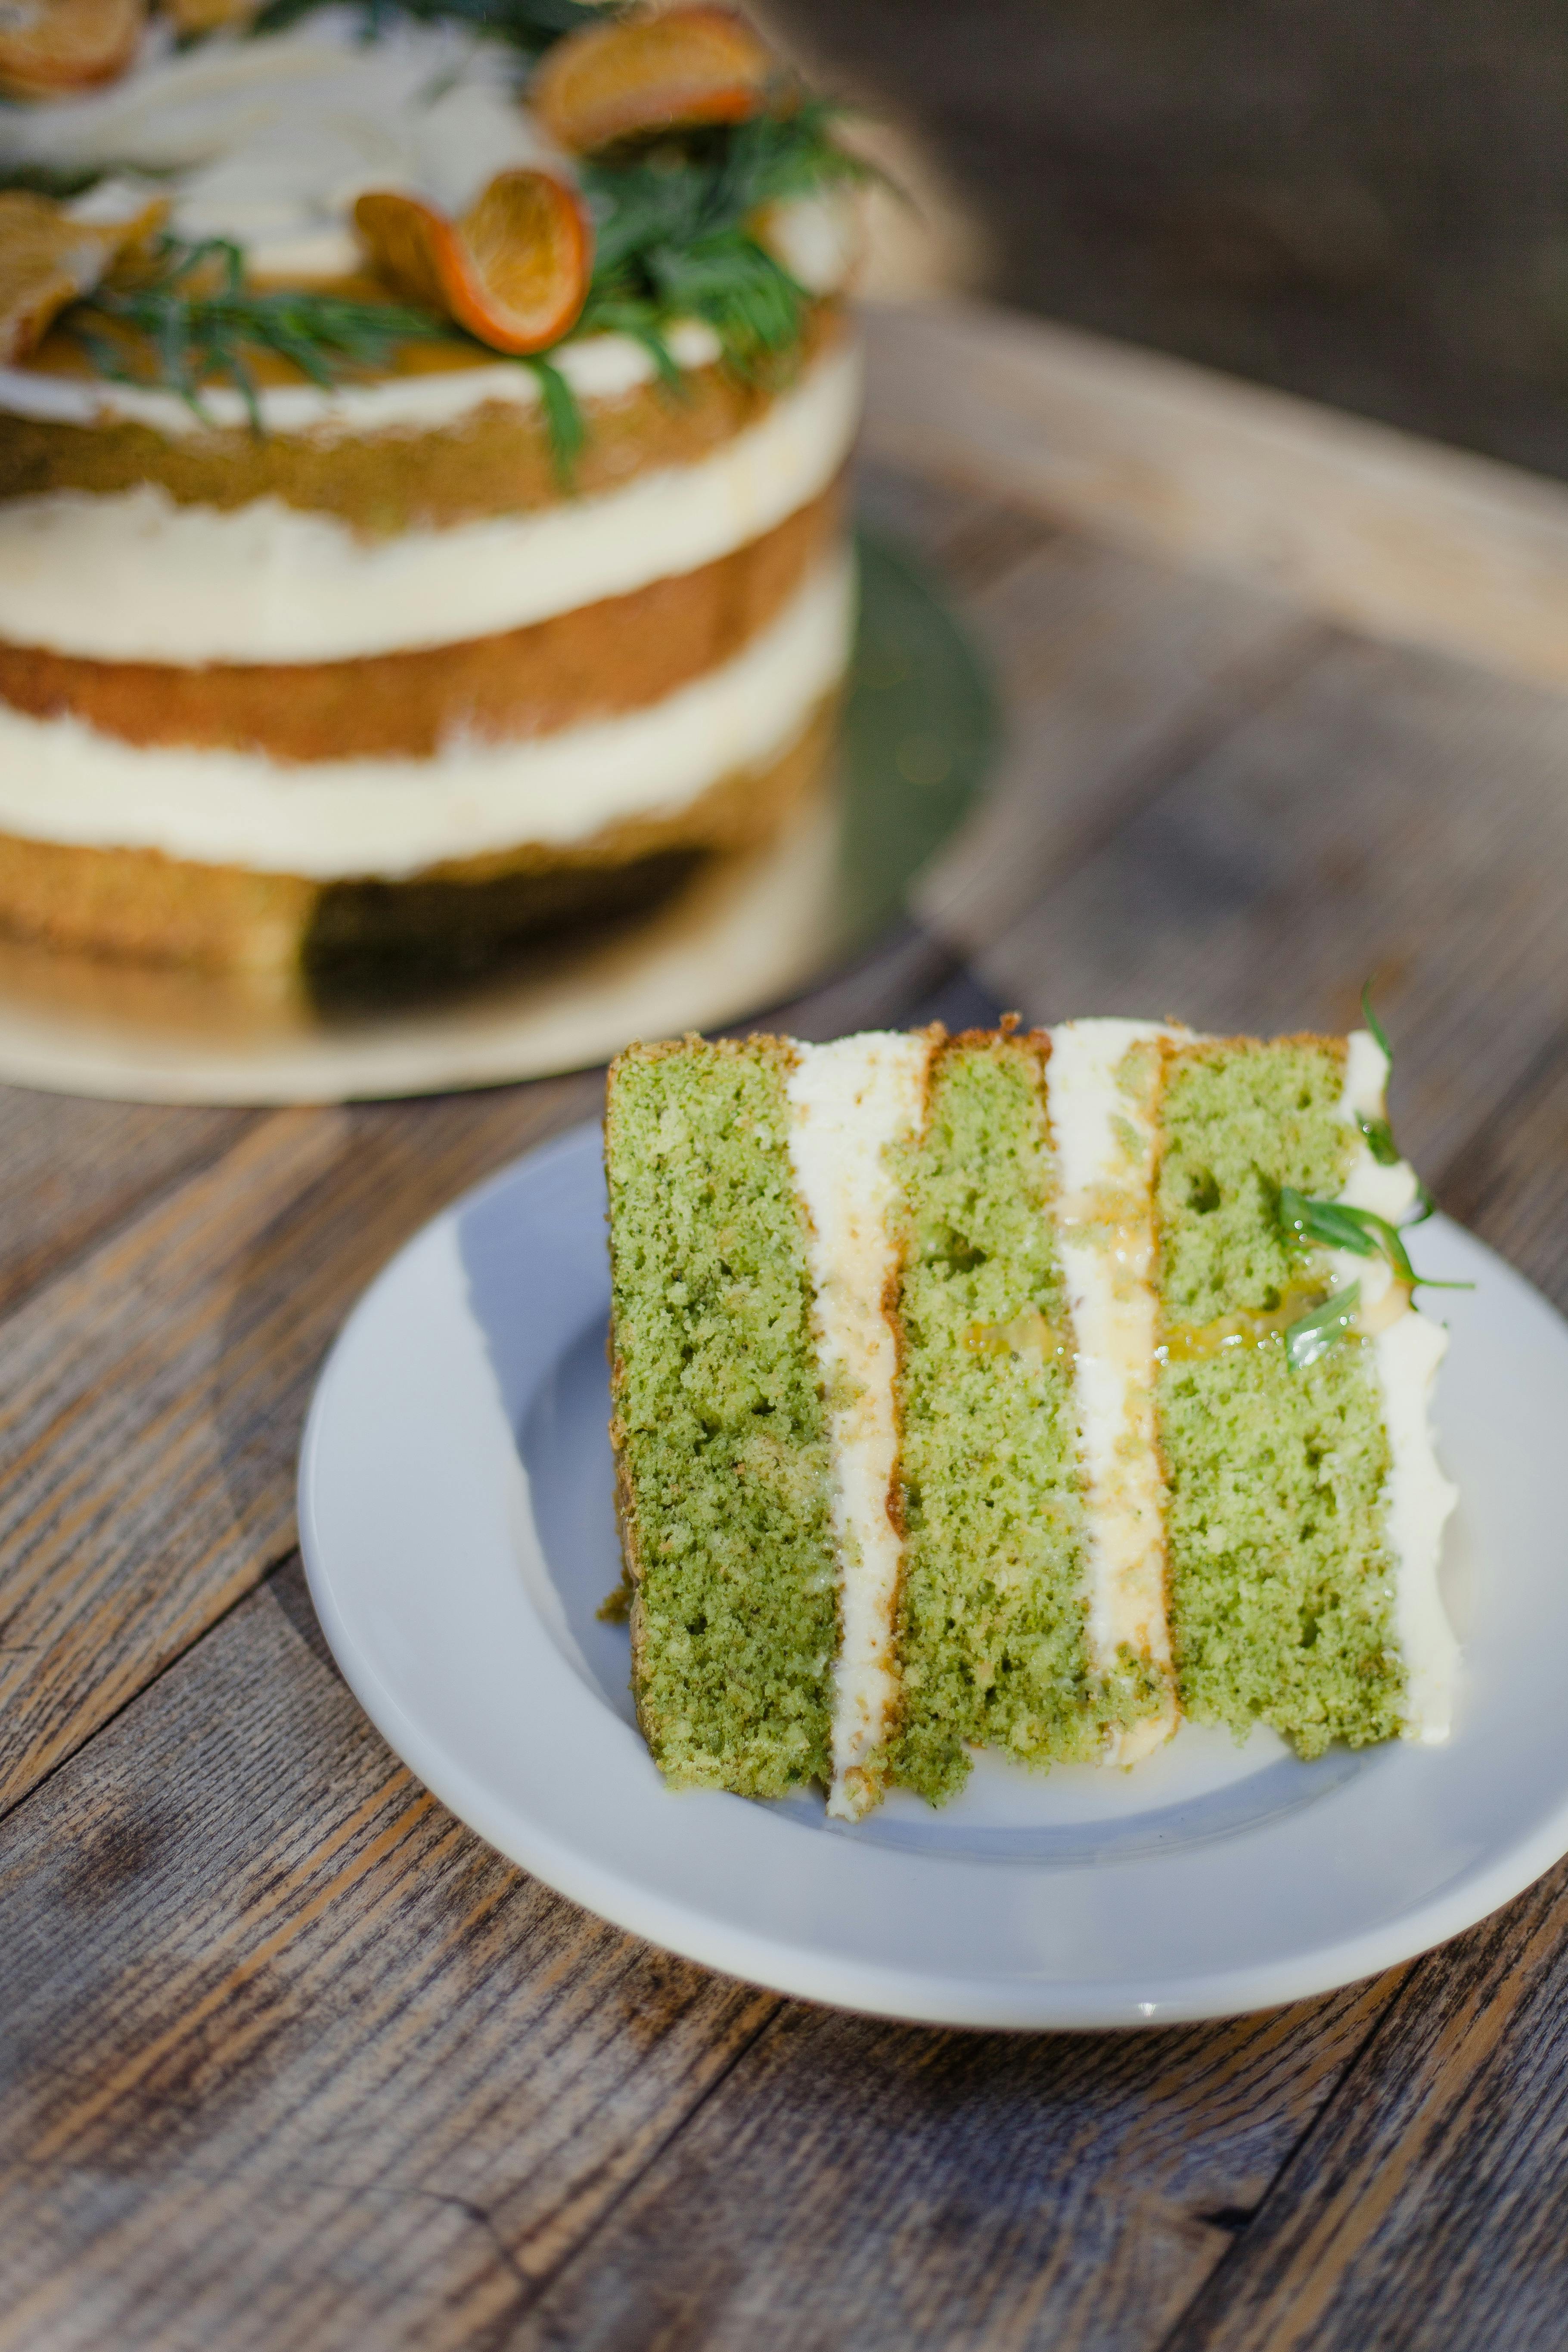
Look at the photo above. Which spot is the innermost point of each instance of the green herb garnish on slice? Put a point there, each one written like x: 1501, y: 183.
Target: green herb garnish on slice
x: 201, y: 326
x: 1322, y: 1327
x: 1335, y: 1224
x: 1374, y: 1024
x: 1378, y: 1133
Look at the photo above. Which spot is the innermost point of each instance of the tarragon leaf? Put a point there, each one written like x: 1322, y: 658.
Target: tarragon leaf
x: 1337, y: 1224
x: 1310, y: 1336
x: 1374, y: 1025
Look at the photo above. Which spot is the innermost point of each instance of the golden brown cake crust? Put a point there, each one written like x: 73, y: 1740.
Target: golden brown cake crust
x: 497, y: 460
x: 621, y: 654
x: 138, y: 904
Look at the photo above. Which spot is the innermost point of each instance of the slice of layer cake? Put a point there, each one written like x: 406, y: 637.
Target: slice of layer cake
x: 1005, y: 1391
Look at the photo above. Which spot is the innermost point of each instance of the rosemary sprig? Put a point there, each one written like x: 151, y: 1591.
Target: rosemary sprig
x: 673, y: 240
x: 203, y: 326
x: 563, y: 417
x: 673, y: 234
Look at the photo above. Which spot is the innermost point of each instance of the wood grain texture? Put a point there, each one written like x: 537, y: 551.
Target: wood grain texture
x: 879, y: 2187
x: 1388, y: 815
x: 291, y: 2058
x: 1424, y: 2213
x: 153, y: 1395
x: 74, y: 1170
x: 1113, y: 673
x: 1508, y: 1181
x: 1393, y: 536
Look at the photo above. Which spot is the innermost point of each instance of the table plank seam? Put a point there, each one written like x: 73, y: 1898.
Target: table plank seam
x: 546, y: 2278
x: 1189, y: 2331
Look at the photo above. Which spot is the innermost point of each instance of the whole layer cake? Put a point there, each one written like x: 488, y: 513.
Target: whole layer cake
x: 422, y: 517
x: 1022, y: 1391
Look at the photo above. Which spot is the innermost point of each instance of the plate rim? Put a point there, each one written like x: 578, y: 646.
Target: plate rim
x: 797, y: 1968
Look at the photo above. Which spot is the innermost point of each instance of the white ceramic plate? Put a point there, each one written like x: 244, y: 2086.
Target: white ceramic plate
x: 456, y: 1515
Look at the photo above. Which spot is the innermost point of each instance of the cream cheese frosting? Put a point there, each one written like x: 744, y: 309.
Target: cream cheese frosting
x: 849, y: 1102
x: 135, y: 576
x: 1407, y: 1349
x: 62, y: 782
x: 600, y: 367
x: 1103, y: 1130
x: 270, y: 140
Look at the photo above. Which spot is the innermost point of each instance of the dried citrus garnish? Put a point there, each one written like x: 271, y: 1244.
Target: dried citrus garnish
x: 49, y: 255
x: 51, y: 47
x: 643, y: 74
x: 209, y: 15
x: 513, y: 270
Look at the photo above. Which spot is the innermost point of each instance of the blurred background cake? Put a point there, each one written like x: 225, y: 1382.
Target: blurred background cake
x: 421, y: 446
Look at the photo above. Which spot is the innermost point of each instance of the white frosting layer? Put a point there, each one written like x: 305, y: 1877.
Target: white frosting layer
x: 601, y: 367
x: 1407, y: 1349
x: 270, y: 142
x: 849, y: 1101
x: 1104, y: 1137
x: 62, y: 782
x: 136, y: 577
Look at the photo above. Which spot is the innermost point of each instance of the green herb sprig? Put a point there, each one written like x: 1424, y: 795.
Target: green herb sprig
x: 1378, y: 1133
x: 1308, y: 1224
x: 1312, y: 1335
x: 673, y: 239
x: 1335, y: 1224
x: 674, y: 231
x: 203, y: 326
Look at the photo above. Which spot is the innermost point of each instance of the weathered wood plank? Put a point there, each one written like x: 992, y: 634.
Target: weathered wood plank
x: 1394, y: 536
x: 290, y: 2058
x: 1114, y: 674
x: 1387, y: 815
x: 1424, y: 2209
x: 1511, y: 1180
x: 74, y: 1170
x: 970, y: 536
x: 154, y: 1394
x: 871, y: 2186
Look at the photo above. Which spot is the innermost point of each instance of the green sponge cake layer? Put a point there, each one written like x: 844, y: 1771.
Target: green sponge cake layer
x: 1005, y: 1391
x: 720, y: 1423
x: 994, y: 1618
x: 1283, y: 1576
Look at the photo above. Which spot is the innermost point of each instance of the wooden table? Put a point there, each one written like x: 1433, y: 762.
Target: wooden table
x: 290, y: 2060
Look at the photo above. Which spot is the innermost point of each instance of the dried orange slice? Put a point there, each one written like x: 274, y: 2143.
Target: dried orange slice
x: 209, y: 15
x: 649, y: 73
x: 49, y: 255
x: 50, y: 47
x: 513, y: 270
